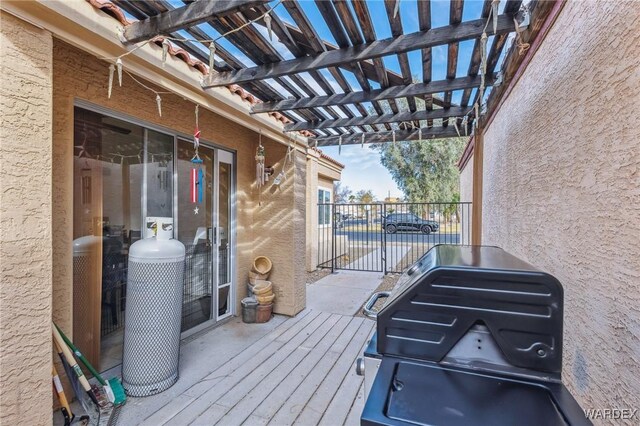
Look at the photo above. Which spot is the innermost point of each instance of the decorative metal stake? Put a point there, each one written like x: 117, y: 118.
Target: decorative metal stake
x: 112, y: 70
x: 165, y: 50
x: 119, y: 68
x: 494, y: 14
x: 212, y: 52
x: 159, y: 103
x: 267, y: 22
x: 455, y: 124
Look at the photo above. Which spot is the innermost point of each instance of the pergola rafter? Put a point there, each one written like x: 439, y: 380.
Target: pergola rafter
x: 393, y: 92
x: 327, y: 87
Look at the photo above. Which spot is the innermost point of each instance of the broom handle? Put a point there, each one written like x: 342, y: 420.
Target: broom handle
x: 60, y: 392
x: 81, y: 357
x: 72, y: 362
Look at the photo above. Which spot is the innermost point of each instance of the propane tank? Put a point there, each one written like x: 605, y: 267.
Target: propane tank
x: 153, y: 315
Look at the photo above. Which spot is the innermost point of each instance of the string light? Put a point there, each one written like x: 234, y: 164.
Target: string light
x: 165, y: 50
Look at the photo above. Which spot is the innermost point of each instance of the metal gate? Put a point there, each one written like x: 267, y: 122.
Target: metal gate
x: 387, y: 237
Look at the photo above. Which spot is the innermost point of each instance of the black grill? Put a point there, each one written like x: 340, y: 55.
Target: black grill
x: 470, y: 336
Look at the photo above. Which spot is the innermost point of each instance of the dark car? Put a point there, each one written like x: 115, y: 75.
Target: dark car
x: 395, y: 222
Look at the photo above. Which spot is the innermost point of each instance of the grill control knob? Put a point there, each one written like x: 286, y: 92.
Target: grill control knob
x: 360, y: 367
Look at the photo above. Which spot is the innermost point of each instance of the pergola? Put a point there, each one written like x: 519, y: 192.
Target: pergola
x: 387, y: 106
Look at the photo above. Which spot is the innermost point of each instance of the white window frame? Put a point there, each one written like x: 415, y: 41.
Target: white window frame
x: 325, y: 189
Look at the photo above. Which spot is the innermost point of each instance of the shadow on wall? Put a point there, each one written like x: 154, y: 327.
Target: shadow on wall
x: 580, y: 372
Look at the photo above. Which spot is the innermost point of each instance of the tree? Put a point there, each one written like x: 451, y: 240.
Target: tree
x: 425, y: 170
x: 341, y: 194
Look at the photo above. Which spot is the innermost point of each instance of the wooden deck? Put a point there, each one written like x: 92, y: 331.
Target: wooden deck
x: 299, y: 372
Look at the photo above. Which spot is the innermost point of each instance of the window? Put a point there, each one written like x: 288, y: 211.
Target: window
x: 324, y: 209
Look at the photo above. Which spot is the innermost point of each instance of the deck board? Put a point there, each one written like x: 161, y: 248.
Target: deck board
x: 300, y: 372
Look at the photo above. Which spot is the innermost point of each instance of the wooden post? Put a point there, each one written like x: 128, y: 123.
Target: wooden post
x: 476, y: 215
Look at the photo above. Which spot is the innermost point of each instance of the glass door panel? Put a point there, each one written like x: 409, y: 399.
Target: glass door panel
x: 195, y: 232
x: 224, y: 236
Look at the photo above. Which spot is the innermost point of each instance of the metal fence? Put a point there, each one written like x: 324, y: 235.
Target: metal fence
x: 387, y: 237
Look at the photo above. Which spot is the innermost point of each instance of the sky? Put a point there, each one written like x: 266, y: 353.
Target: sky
x: 363, y: 169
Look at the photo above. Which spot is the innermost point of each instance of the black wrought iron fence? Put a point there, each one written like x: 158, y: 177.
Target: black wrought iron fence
x: 387, y: 237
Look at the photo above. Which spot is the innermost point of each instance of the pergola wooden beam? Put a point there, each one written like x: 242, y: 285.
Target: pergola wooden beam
x: 183, y: 17
x: 382, y: 137
x: 401, y: 117
x: 415, y: 89
x: 394, y: 45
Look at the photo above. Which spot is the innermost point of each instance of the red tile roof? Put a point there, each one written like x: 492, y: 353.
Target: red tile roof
x: 114, y: 11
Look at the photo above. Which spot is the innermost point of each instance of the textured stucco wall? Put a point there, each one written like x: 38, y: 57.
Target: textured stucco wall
x: 562, y: 190
x: 466, y: 195
x: 78, y: 75
x: 25, y: 222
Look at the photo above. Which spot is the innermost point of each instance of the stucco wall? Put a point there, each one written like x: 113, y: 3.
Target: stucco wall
x: 25, y: 222
x: 78, y: 75
x: 562, y: 190
x: 466, y: 195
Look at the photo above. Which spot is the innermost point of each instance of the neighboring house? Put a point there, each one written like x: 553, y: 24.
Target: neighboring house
x: 555, y: 174
x: 84, y: 174
x: 322, y: 172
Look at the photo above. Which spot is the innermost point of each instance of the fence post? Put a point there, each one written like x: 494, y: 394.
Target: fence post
x: 333, y: 238
x: 383, y: 239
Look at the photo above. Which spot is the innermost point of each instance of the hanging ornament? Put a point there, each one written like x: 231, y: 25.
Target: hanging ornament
x: 165, y: 50
x: 340, y: 145
x: 197, y: 174
x: 316, y: 144
x: 420, y: 133
x: 465, y: 121
x: 119, y: 68
x: 396, y: 8
x: 212, y: 52
x: 260, y: 156
x: 494, y: 15
x: 159, y: 103
x: 112, y: 70
x: 362, y: 141
x: 267, y: 22
x: 477, y: 112
x: 393, y: 135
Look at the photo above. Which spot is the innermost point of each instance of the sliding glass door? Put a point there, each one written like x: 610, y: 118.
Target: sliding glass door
x: 125, y: 176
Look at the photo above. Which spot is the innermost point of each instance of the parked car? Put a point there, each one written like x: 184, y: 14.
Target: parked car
x: 395, y: 222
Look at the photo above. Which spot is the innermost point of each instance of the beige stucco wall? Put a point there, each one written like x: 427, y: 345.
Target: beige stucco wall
x: 562, y: 190
x: 262, y: 229
x: 25, y: 222
x: 466, y: 196
x: 321, y: 173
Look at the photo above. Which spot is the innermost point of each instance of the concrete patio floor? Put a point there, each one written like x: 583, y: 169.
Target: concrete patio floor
x: 288, y: 371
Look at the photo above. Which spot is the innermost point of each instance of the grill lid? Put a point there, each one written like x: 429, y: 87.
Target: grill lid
x: 452, y: 289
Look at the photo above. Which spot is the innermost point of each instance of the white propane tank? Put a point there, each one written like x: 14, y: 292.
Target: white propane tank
x: 153, y: 316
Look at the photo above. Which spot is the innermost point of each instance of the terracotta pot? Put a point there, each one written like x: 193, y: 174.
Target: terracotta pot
x: 263, y: 313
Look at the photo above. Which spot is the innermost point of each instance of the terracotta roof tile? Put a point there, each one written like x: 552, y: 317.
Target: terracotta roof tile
x: 326, y: 157
x: 114, y: 11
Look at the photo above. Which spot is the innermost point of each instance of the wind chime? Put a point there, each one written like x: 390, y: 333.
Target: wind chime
x: 196, y: 182
x: 261, y: 178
